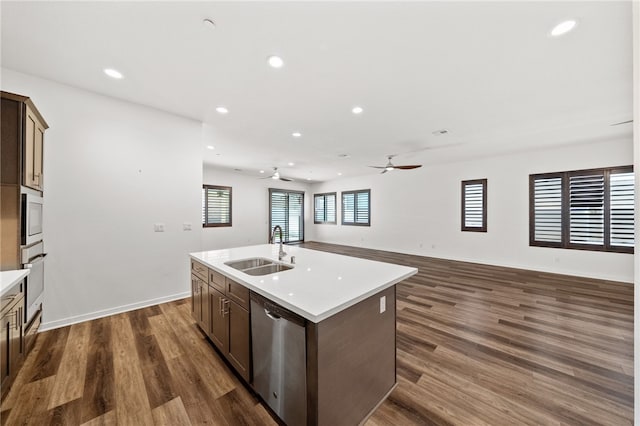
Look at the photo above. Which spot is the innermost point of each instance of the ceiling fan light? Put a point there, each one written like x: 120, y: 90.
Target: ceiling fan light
x: 389, y: 168
x: 275, y: 177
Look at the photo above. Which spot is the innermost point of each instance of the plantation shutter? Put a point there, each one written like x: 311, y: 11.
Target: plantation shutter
x: 547, y: 207
x: 287, y: 210
x: 348, y: 208
x: 324, y: 208
x: 356, y: 207
x: 474, y: 205
x: 319, y: 214
x: 621, y: 192
x: 586, y: 209
x: 216, y: 205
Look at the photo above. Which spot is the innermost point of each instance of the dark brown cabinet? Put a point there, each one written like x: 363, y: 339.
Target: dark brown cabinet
x: 11, y: 341
x: 226, y: 305
x: 219, y: 330
x: 200, y: 302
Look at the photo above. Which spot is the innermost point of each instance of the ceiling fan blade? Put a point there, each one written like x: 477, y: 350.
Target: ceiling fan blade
x: 379, y: 167
x: 286, y: 179
x: 622, y: 122
x: 384, y: 171
x: 414, y: 166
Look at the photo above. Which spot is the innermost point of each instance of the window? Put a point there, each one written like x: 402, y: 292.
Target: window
x: 356, y: 207
x: 286, y: 208
x: 474, y: 205
x: 585, y: 209
x: 216, y: 205
x: 324, y: 208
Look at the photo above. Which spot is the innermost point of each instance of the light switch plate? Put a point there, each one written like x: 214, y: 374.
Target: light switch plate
x: 158, y: 227
x: 186, y: 226
x: 383, y: 304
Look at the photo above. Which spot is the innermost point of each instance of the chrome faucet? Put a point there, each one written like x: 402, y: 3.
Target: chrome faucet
x: 281, y: 253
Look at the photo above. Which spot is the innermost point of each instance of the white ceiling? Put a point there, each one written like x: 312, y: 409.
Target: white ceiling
x: 486, y: 71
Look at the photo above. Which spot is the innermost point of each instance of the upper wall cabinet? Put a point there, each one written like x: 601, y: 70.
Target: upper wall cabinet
x: 22, y: 141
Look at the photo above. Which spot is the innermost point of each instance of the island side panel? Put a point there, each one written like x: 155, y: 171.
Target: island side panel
x: 356, y: 361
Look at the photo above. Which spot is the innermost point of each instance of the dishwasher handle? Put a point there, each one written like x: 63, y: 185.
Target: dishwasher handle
x: 272, y: 315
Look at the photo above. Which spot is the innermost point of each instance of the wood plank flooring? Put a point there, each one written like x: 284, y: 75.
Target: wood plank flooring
x: 477, y: 345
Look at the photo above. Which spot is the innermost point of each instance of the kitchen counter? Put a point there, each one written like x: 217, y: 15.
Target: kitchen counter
x: 320, y: 285
x: 9, y: 278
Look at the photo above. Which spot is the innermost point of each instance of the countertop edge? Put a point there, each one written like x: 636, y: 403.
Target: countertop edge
x: 238, y: 276
x: 12, y: 278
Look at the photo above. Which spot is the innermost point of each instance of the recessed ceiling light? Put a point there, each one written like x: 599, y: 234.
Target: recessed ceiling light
x: 563, y: 28
x: 261, y: 171
x: 291, y: 164
x: 357, y: 110
x: 210, y: 147
x: 339, y: 174
x: 296, y: 134
x: 308, y: 178
x: 208, y: 23
x: 275, y: 61
x: 113, y: 73
x: 222, y: 110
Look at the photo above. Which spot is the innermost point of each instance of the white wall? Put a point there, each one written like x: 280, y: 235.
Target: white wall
x: 418, y: 212
x: 250, y: 208
x: 111, y: 170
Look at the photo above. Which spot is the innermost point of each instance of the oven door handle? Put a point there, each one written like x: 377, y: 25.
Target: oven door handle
x: 35, y: 259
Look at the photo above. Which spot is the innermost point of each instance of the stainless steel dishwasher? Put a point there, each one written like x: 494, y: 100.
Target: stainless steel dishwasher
x: 279, y: 359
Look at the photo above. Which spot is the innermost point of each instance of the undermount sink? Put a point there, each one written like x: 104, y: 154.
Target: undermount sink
x: 268, y: 269
x: 241, y: 265
x: 258, y: 266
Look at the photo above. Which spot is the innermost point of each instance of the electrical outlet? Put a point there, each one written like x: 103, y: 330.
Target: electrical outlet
x: 158, y: 227
x: 186, y: 226
x: 383, y: 304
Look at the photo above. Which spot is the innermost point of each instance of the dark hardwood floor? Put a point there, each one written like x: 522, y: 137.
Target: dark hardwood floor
x: 476, y: 345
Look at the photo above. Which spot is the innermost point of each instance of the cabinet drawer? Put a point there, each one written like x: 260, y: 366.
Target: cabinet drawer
x: 199, y: 269
x: 216, y: 280
x: 238, y: 293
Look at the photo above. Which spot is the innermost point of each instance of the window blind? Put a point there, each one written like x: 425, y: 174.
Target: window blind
x: 216, y: 205
x: 547, y: 206
x: 287, y: 210
x: 622, y: 207
x: 474, y: 205
x: 586, y: 209
x: 356, y: 207
x: 324, y: 208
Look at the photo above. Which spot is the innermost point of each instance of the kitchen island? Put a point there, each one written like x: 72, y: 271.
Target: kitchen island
x: 345, y: 305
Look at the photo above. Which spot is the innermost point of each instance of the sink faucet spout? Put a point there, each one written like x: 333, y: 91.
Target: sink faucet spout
x: 281, y: 253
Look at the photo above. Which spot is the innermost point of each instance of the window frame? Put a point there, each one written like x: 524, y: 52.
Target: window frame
x: 463, y: 185
x: 565, y: 222
x: 335, y: 202
x: 355, y: 210
x: 302, y: 224
x: 205, y: 207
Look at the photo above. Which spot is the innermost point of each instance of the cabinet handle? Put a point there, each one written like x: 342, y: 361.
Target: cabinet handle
x: 225, y: 306
x: 220, y: 305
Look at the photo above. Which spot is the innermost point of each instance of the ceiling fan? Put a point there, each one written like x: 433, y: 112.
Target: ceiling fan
x: 276, y: 176
x: 390, y: 166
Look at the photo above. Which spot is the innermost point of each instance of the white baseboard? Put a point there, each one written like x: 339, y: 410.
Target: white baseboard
x: 50, y: 325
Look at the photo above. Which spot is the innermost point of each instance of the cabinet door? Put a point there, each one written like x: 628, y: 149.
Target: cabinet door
x: 33, y: 150
x: 239, y: 352
x: 5, y: 348
x: 204, y: 320
x: 196, y: 305
x: 219, y: 328
x: 38, y: 154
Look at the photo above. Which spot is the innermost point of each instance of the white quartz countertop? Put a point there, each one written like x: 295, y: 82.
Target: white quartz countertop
x: 9, y: 278
x: 320, y: 285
